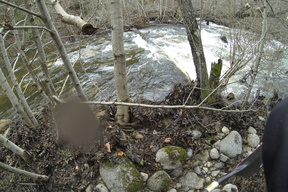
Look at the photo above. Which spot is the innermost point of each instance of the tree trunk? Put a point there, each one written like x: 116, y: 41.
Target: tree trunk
x: 122, y: 114
x: 259, y: 56
x: 24, y: 105
x: 55, y: 36
x: 194, y: 38
x: 14, y: 100
x: 42, y: 56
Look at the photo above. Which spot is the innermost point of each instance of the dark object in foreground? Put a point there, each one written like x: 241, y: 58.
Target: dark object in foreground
x: 275, y: 149
x: 250, y: 165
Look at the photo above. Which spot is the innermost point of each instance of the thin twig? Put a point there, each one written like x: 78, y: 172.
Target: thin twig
x: 168, y: 106
x: 21, y: 8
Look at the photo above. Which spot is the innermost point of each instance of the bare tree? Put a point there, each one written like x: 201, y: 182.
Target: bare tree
x: 194, y: 38
x: 122, y: 114
x: 45, y: 16
x: 19, y: 102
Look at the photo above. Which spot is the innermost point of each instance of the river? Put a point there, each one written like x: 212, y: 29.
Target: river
x: 157, y: 60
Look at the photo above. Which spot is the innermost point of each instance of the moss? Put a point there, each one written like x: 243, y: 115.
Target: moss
x: 174, y: 157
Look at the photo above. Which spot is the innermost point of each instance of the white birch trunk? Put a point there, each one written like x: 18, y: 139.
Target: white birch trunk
x: 122, y: 114
x: 42, y: 56
x: 14, y: 100
x: 19, y: 92
x: 63, y: 53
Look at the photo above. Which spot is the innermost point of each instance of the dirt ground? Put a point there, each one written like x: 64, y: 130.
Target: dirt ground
x: 73, y: 169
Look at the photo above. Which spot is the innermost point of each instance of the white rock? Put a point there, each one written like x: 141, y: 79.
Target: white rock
x: 101, y: 188
x: 196, y: 134
x: 215, y: 173
x: 225, y: 130
x: 231, y: 145
x: 253, y: 140
x: 144, y: 176
x: 205, y: 170
x: 189, y: 153
x: 261, y: 118
x: 223, y: 157
x: 214, y: 153
x: 192, y: 181
x: 172, y: 190
x: 252, y: 130
x: 230, y: 188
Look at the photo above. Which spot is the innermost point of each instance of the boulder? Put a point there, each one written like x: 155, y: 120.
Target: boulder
x: 159, y: 181
x: 171, y: 157
x: 121, y: 176
x: 231, y: 145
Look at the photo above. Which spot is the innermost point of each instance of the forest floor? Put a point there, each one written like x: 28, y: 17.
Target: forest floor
x: 67, y: 166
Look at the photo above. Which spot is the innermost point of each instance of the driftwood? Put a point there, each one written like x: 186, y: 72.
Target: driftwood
x: 86, y: 28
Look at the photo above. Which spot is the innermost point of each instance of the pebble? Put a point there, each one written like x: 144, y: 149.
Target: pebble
x: 230, y: 188
x: 223, y: 157
x: 225, y: 130
x: 231, y: 145
x: 197, y: 170
x: 253, y: 140
x: 189, y: 153
x: 172, y: 190
x: 215, y: 173
x: 144, y: 176
x: 214, y: 154
x: 219, y: 165
x: 252, y: 130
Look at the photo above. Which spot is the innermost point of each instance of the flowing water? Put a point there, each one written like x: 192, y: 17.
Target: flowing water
x: 156, y: 60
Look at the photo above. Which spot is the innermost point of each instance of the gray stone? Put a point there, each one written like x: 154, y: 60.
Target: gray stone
x: 101, y: 188
x: 215, y: 173
x: 251, y: 130
x: 214, y: 153
x: 223, y: 157
x: 189, y: 153
x: 196, y: 134
x: 159, y: 181
x: 121, y: 176
x: 253, y: 140
x: 204, y: 156
x: 197, y: 170
x: 231, y: 145
x: 171, y: 157
x: 230, y: 188
x: 219, y: 165
x: 192, y: 181
x: 172, y: 190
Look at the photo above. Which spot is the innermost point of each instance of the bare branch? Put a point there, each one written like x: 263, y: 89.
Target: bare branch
x: 168, y: 106
x: 21, y: 8
x: 34, y: 176
x: 17, y: 150
x: 26, y: 27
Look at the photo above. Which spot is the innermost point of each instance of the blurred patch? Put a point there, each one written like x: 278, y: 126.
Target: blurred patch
x: 77, y: 124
